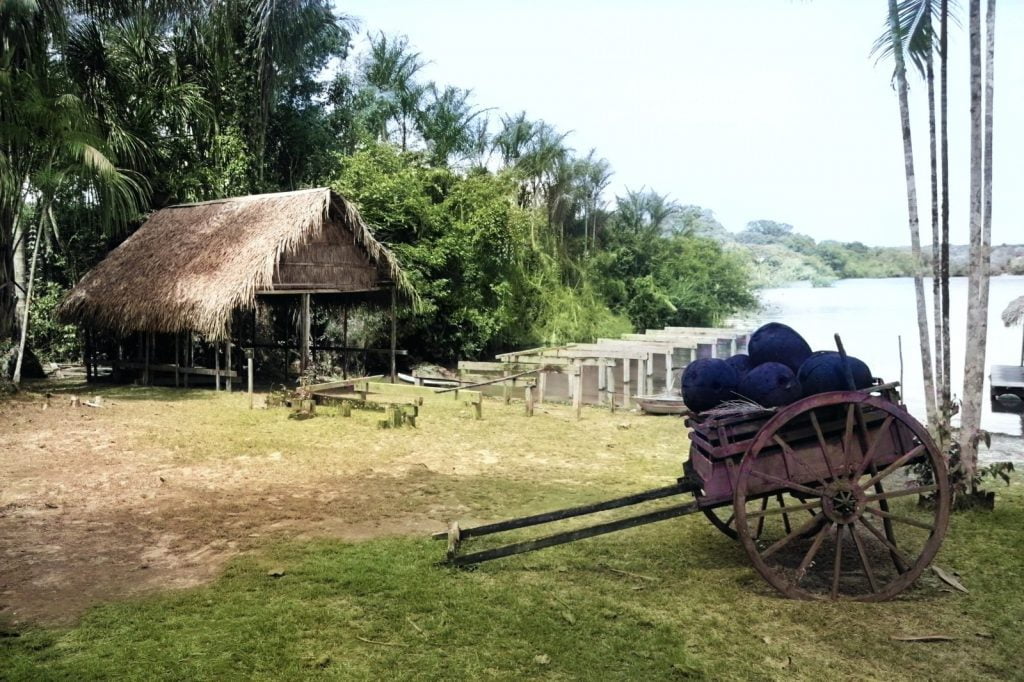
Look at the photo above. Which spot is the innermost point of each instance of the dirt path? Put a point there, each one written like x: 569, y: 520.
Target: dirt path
x: 159, y: 488
x: 85, y: 517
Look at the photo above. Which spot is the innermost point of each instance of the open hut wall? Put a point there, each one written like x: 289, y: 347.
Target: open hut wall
x: 190, y: 267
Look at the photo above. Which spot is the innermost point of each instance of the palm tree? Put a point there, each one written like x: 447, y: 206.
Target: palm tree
x: 390, y: 70
x: 896, y: 34
x: 981, y: 235
x: 446, y: 124
x: 73, y: 160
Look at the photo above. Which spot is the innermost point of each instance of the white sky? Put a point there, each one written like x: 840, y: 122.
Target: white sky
x: 752, y: 108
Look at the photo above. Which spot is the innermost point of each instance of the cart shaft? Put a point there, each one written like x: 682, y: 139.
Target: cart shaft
x: 572, y: 535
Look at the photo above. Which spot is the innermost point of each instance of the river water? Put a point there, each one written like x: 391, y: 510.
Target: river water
x: 873, y: 315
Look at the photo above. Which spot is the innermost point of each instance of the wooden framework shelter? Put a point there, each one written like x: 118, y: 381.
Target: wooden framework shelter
x: 615, y: 371
x: 197, y: 268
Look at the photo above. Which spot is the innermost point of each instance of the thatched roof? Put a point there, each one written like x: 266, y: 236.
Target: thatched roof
x: 190, y: 266
x: 1014, y: 313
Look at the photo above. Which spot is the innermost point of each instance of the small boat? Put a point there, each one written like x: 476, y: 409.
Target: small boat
x: 666, y: 403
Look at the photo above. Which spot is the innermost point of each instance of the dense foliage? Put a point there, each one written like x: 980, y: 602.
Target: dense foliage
x: 112, y: 110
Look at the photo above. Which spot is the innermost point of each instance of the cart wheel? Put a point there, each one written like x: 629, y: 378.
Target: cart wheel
x: 726, y: 521
x: 862, y: 542
x: 723, y: 523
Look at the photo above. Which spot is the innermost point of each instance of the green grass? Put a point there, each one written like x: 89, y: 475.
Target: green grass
x: 672, y: 600
x: 669, y: 601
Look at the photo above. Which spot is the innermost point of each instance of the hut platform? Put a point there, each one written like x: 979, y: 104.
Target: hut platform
x: 1007, y: 379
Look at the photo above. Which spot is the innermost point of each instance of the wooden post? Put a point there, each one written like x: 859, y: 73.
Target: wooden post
x: 344, y: 342
x: 542, y: 384
x: 190, y: 356
x: 248, y: 363
x: 577, y: 397
x: 626, y: 383
x: 529, y: 400
x: 732, y: 346
x: 571, y: 380
x: 227, y: 361
x: 641, y: 372
x: 649, y: 388
x: 668, y: 372
x: 394, y: 333
x: 609, y: 383
x: 148, y: 348
x: 602, y: 382
x: 177, y: 361
x: 506, y: 389
x: 304, y: 321
x: 478, y: 405
x: 216, y: 366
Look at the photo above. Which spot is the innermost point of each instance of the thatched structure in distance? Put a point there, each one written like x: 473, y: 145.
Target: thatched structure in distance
x: 192, y: 267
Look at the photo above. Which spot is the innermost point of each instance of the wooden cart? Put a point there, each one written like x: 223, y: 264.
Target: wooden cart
x: 838, y: 495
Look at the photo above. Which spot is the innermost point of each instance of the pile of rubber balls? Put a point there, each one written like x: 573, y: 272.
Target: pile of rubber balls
x: 778, y: 369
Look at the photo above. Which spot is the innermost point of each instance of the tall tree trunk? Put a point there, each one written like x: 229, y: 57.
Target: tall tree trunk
x: 941, y: 426
x: 913, y: 220
x: 974, y: 360
x: 8, y: 299
x: 16, y: 379
x: 945, y: 390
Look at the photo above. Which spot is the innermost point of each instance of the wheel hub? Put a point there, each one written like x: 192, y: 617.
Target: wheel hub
x: 842, y: 502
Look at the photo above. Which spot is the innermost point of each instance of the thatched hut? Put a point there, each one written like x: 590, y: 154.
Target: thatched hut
x: 194, y: 268
x: 1014, y: 315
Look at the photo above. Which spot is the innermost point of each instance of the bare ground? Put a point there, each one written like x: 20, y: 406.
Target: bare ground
x: 159, y: 489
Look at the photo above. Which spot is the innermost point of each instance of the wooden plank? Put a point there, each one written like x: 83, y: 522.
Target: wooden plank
x: 169, y: 368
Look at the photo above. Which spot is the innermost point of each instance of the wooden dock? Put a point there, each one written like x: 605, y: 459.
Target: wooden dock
x: 1005, y: 379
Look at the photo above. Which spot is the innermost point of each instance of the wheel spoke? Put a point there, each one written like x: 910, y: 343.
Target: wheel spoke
x: 785, y: 516
x: 801, y: 570
x: 848, y: 438
x: 836, y: 567
x: 898, y: 558
x: 821, y: 443
x: 786, y: 510
x: 869, y: 456
x: 920, y: 490
x: 789, y: 538
x: 893, y: 467
x: 901, y: 519
x: 863, y: 559
x: 786, y: 484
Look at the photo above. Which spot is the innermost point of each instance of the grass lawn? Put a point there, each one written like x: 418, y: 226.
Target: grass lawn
x: 672, y: 600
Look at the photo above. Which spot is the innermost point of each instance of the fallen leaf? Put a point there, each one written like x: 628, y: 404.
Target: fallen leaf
x: 985, y: 635
x: 541, y: 659
x: 569, y: 618
x: 275, y: 572
x: 922, y: 638
x: 945, y: 577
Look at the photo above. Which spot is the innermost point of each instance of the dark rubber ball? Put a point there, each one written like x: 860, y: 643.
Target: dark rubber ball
x: 776, y: 342
x: 708, y: 382
x: 771, y: 384
x: 823, y: 371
